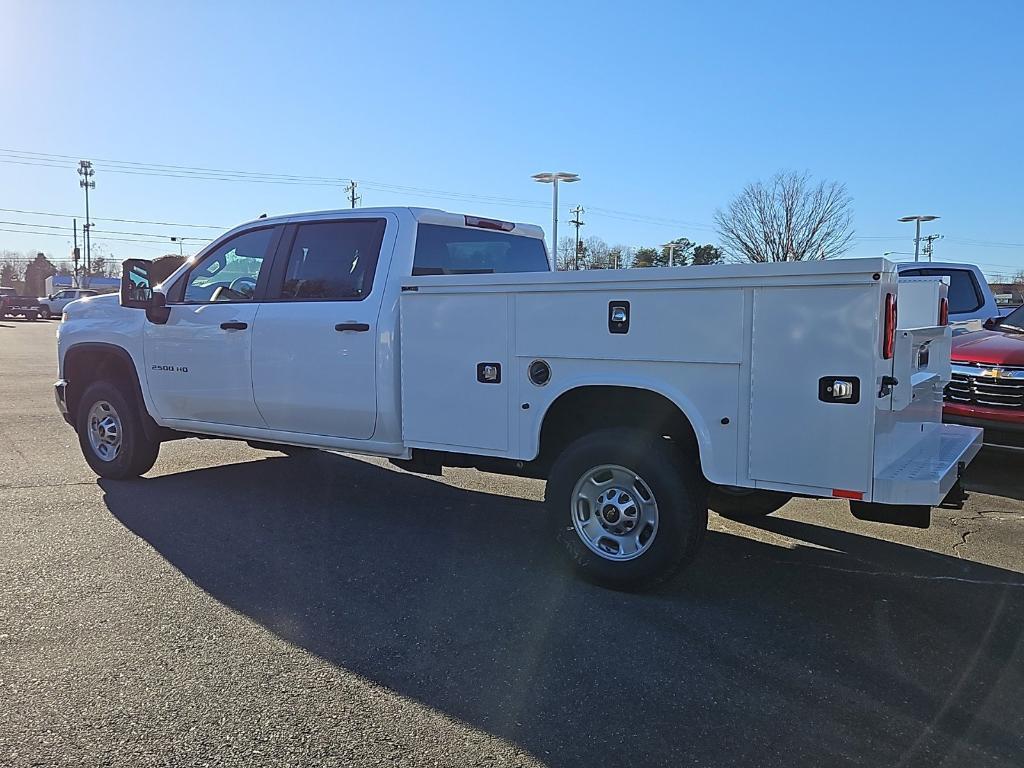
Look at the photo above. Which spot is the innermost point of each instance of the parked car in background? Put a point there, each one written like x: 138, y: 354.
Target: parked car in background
x: 53, y: 305
x: 13, y: 304
x: 987, y: 385
x: 970, y: 297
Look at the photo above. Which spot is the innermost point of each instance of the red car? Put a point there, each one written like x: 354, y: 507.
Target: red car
x: 987, y: 389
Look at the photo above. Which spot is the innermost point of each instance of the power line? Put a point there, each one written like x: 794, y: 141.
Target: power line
x: 51, y: 160
x: 123, y: 221
x: 156, y: 235
x: 65, y: 237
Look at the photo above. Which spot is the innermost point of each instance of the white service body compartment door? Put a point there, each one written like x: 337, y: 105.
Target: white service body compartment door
x: 444, y: 339
x: 801, y: 335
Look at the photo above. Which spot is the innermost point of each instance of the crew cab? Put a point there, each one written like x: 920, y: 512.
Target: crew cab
x: 436, y: 339
x: 987, y: 386
x: 53, y: 305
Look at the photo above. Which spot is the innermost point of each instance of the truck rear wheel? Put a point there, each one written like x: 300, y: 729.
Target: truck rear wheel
x: 628, y: 507
x: 745, y: 503
x: 44, y: 312
x: 111, y: 434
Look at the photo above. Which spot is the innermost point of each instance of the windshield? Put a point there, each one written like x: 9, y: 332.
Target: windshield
x: 1013, y: 322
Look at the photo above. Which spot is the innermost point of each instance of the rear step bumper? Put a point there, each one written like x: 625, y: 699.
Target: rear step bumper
x: 927, y: 472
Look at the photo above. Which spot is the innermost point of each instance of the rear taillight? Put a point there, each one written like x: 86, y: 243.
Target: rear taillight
x: 889, y: 335
x: 943, y: 311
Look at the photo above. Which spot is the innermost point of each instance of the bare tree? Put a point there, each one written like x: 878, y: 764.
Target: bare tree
x: 789, y: 219
x: 566, y: 254
x: 595, y: 254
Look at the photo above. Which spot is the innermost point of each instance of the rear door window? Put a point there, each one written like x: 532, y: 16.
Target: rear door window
x: 333, y: 260
x: 964, y: 293
x: 442, y: 250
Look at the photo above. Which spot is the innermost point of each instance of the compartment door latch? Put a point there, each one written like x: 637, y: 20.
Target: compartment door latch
x: 839, y: 389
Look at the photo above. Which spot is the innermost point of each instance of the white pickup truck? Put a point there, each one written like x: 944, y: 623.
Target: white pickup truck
x: 437, y: 339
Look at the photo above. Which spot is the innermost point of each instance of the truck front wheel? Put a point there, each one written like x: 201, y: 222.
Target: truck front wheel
x: 111, y: 434
x: 628, y: 507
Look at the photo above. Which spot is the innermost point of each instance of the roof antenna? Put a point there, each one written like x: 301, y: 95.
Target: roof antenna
x: 263, y: 215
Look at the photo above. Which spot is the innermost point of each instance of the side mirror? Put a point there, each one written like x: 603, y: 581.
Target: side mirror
x: 137, y: 290
x: 991, y: 323
x: 136, y: 285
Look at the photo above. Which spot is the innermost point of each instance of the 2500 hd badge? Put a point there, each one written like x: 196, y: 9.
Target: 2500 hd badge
x: 172, y: 368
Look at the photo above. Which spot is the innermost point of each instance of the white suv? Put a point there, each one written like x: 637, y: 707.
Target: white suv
x: 53, y: 305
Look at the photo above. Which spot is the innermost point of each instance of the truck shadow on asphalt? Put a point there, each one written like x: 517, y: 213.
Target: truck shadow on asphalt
x: 998, y: 472
x: 841, y: 649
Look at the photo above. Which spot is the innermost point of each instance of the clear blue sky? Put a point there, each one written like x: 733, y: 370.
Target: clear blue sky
x: 665, y: 109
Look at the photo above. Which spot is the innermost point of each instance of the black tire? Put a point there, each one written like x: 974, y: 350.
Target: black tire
x: 31, y: 316
x: 668, y: 473
x: 136, y: 453
x: 44, y: 312
x: 745, y: 503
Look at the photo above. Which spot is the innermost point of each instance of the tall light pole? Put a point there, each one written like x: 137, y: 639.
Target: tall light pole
x: 671, y: 247
x: 917, y: 237
x: 179, y: 241
x: 553, y: 179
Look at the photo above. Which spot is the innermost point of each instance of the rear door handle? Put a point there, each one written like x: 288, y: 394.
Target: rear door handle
x: 234, y: 325
x: 352, y: 327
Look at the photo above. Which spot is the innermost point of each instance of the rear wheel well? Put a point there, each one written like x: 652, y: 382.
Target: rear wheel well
x: 586, y: 409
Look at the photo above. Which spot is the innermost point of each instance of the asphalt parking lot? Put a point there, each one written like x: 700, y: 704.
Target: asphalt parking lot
x: 238, y: 607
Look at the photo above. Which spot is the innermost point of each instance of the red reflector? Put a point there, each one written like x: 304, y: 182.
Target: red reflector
x: 889, y: 334
x: 839, y: 493
x: 943, y: 311
x: 476, y: 221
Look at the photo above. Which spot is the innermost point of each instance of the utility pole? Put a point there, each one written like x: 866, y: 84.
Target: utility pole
x: 85, y: 170
x: 928, y: 244
x: 75, y: 254
x: 353, y: 198
x: 577, y: 222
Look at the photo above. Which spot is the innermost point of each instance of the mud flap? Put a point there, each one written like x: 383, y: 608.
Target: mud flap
x: 911, y: 515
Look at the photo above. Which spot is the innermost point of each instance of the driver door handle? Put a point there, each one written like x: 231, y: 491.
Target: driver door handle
x: 234, y: 325
x: 352, y: 327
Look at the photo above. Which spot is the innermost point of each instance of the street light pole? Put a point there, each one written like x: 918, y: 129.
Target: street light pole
x: 917, y: 236
x: 553, y: 179
x: 671, y: 248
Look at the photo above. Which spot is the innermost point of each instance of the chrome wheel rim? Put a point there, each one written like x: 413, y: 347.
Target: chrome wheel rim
x: 104, y: 426
x: 614, y: 512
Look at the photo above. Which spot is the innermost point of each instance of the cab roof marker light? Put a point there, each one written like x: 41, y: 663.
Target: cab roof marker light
x: 502, y: 226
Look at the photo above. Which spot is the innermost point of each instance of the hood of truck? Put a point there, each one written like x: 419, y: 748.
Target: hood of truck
x: 989, y: 348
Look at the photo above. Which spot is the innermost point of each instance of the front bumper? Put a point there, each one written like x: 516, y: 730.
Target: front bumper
x: 60, y: 394
x: 998, y: 433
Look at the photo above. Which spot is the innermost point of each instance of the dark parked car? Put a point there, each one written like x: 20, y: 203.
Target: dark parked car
x: 13, y: 304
